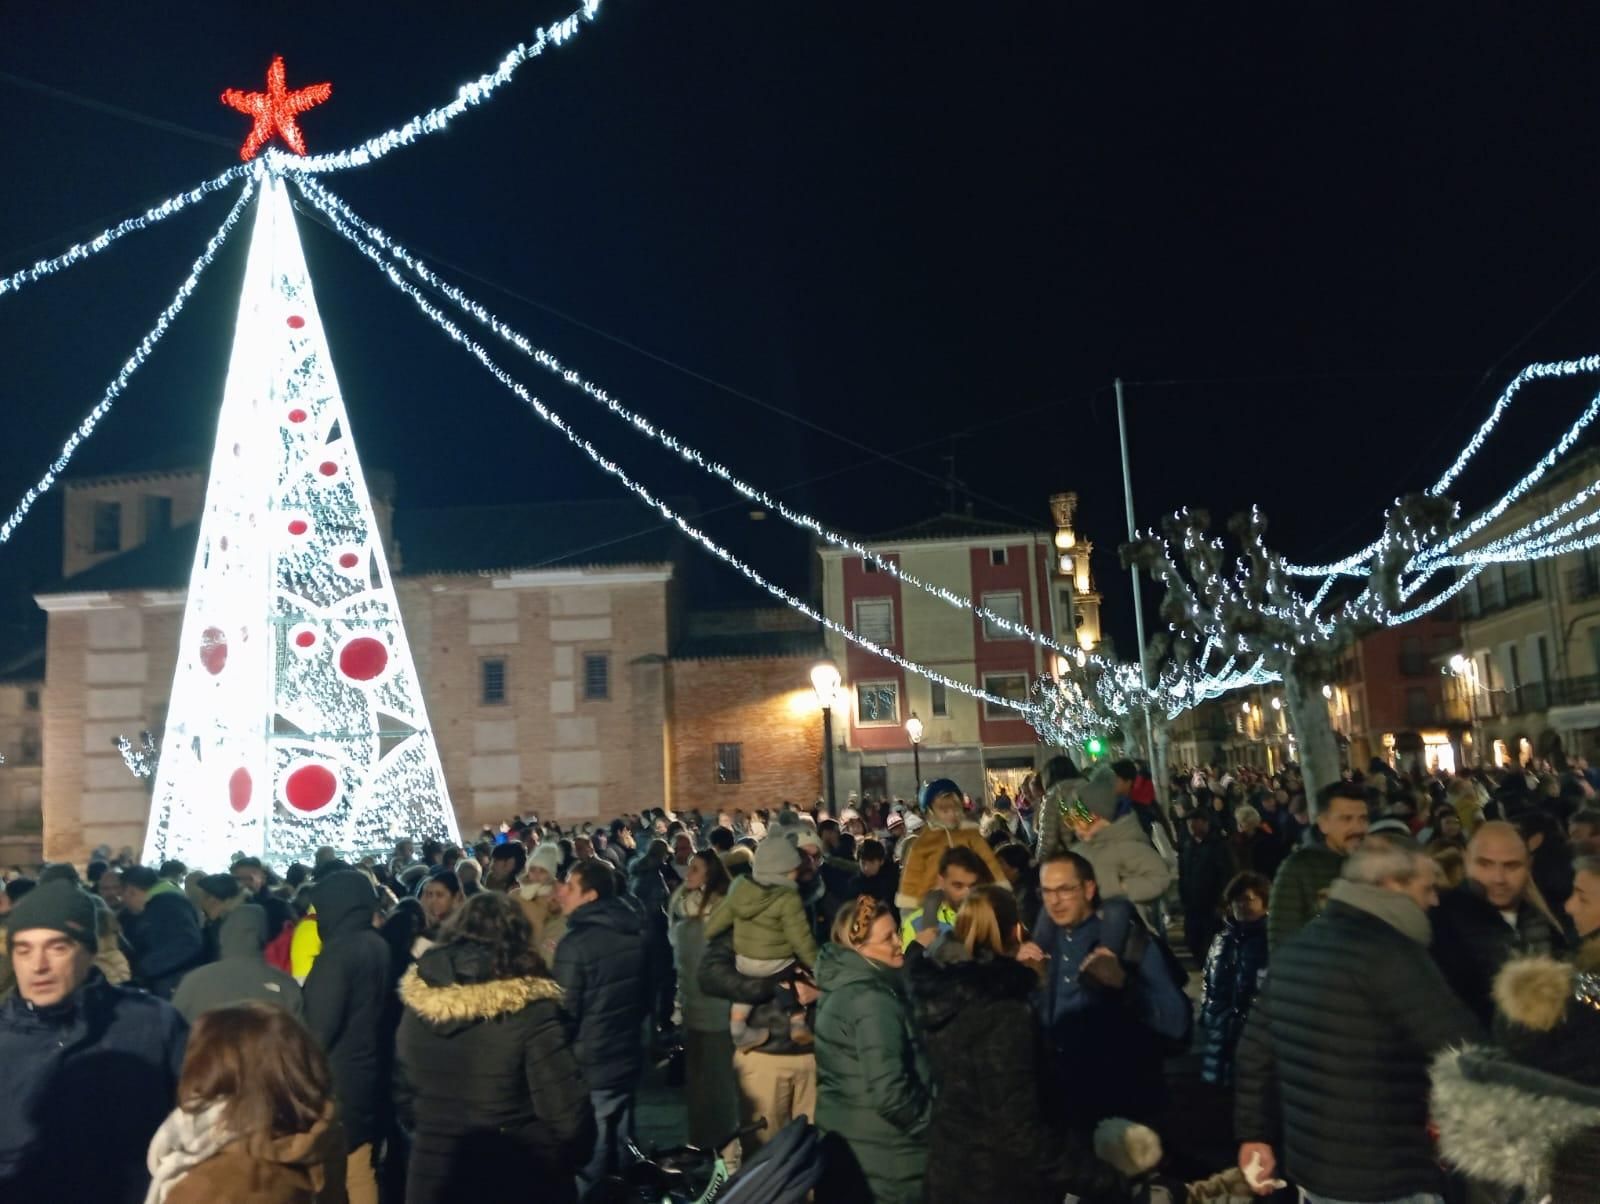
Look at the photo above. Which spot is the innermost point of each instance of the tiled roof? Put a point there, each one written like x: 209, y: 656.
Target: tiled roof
x: 465, y: 539
x: 750, y: 644
x: 953, y: 526
x: 164, y: 562
x: 472, y: 539
x: 24, y: 668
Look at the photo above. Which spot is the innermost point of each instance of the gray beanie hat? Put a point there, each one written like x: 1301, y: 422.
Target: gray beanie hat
x: 1099, y: 793
x: 60, y: 907
x: 776, y: 857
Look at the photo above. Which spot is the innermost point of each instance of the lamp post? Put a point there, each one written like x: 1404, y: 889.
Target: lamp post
x: 825, y: 681
x: 914, y: 730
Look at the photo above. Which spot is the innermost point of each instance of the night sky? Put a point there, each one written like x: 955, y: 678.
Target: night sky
x: 845, y: 247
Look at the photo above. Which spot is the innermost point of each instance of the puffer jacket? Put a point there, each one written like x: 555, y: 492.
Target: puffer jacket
x: 1299, y: 891
x: 242, y: 974
x: 1055, y: 835
x: 485, y: 1076
x: 600, y: 965
x: 1233, y: 969
x: 873, y: 1087
x: 768, y: 922
x: 1125, y: 863
x: 105, y: 1043
x: 1332, y: 1070
x: 1471, y: 941
x: 344, y: 999
x: 987, y: 1057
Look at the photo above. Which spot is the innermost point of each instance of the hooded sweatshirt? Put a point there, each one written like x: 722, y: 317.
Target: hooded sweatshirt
x: 242, y: 974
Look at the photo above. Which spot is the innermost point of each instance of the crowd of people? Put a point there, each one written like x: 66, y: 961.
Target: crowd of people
x: 1394, y: 985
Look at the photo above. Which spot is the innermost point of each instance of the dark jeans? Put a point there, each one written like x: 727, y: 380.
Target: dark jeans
x: 1199, y: 927
x: 613, y: 1122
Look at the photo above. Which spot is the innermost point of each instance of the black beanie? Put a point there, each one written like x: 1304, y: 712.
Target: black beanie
x: 60, y: 907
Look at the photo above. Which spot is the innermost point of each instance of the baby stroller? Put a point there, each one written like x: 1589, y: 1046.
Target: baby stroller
x: 782, y: 1172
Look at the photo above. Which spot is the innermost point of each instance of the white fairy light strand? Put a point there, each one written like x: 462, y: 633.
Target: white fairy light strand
x: 132, y: 365
x: 78, y: 252
x: 469, y: 96
x: 340, y: 213
x: 549, y: 416
x: 1350, y: 565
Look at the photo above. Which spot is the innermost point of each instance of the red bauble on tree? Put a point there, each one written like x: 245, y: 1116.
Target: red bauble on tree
x: 275, y: 111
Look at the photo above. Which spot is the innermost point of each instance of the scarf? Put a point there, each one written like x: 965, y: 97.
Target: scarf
x: 1398, y: 911
x: 183, y: 1142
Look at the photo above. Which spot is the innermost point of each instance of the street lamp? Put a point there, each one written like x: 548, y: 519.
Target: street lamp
x: 825, y: 681
x: 914, y: 730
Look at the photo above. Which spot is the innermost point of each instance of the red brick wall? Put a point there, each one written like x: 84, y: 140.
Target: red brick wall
x: 764, y: 704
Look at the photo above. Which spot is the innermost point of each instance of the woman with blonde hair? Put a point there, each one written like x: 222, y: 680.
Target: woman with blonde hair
x: 873, y: 1092
x: 255, y: 1119
x: 974, y: 1004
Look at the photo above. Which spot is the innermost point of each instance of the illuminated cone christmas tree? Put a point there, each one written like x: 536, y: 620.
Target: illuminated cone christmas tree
x: 296, y: 718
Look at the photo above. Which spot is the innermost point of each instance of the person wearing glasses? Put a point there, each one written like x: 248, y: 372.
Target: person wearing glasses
x: 1108, y: 1001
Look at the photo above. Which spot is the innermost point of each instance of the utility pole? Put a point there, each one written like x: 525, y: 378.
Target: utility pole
x: 1138, y: 604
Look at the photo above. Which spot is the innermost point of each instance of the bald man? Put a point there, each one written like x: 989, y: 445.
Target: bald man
x: 1494, y: 915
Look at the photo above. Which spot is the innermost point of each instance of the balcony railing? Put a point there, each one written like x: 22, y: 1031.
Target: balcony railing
x: 1583, y: 583
x: 1492, y: 596
x: 1537, y: 696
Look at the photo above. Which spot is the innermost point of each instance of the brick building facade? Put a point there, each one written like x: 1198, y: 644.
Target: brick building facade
x: 561, y: 675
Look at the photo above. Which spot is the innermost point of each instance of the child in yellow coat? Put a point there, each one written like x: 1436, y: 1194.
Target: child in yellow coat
x: 947, y: 827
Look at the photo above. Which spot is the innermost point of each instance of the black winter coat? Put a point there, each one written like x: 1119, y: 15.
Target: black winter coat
x: 86, y: 1083
x: 1234, y: 964
x: 600, y: 964
x: 344, y: 998
x: 1336, y: 1054
x: 167, y: 942
x: 1471, y: 941
x: 485, y: 1079
x: 1204, y: 868
x: 988, y: 1137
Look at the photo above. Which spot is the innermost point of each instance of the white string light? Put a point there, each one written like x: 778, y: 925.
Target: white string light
x: 431, y: 122
x: 132, y: 365
x: 1556, y: 369
x: 78, y: 252
x: 340, y: 213
x: 549, y: 416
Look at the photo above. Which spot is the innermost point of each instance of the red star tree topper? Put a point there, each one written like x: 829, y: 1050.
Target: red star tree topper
x: 275, y: 110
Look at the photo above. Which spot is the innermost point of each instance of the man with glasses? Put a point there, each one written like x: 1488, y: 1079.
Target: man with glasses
x: 1107, y: 1000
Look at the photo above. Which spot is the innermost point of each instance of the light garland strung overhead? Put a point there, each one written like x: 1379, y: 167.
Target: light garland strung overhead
x: 133, y: 363
x: 469, y: 96
x: 78, y: 252
x: 392, y: 271
x: 344, y: 218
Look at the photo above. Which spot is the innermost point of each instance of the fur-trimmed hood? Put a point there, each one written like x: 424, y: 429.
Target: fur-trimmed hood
x: 458, y: 1004
x: 1500, y: 1122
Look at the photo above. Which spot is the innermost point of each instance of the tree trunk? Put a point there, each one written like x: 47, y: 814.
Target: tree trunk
x: 1319, y: 750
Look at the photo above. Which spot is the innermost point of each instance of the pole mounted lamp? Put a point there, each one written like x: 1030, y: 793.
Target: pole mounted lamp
x: 914, y: 730
x: 825, y: 680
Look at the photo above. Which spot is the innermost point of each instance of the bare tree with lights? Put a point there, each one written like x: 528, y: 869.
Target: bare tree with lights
x: 1257, y: 614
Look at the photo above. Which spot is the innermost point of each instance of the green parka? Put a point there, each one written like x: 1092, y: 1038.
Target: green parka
x: 873, y: 1082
